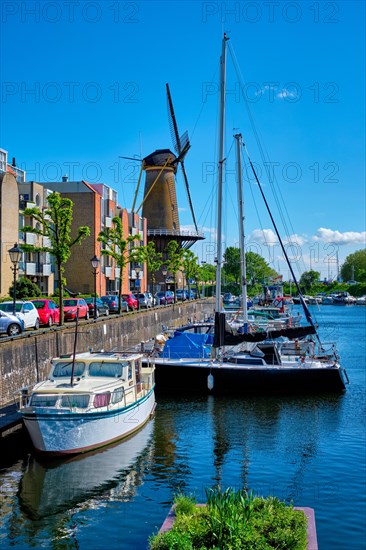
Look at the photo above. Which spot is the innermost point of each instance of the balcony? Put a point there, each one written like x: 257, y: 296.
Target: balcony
x: 117, y: 272
x: 47, y: 242
x: 31, y: 268
x: 108, y: 221
x: 108, y: 272
x: 30, y: 238
x: 46, y: 270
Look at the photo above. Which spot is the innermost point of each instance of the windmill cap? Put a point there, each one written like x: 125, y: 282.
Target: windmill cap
x: 159, y: 157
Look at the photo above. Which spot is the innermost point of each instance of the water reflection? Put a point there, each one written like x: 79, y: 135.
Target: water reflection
x: 50, y: 493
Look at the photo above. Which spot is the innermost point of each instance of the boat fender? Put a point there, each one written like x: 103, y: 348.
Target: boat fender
x: 210, y: 382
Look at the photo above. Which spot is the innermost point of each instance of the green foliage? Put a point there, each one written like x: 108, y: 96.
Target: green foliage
x: 257, y: 268
x: 54, y: 223
x: 152, y: 258
x: 191, y: 268
x: 357, y: 260
x: 234, y: 520
x: 232, y: 263
x: 174, y: 259
x: 25, y: 289
x: 119, y: 248
x: 308, y: 279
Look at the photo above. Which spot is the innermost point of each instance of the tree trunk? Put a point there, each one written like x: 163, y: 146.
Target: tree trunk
x: 60, y: 293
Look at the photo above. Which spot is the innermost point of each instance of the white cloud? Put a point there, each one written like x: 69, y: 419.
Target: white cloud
x: 265, y: 236
x: 336, y: 237
x: 286, y: 93
x: 295, y: 240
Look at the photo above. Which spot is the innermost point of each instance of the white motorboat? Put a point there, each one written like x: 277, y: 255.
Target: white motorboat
x: 89, y: 400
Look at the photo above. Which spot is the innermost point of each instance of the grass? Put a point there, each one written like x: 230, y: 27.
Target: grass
x: 233, y: 520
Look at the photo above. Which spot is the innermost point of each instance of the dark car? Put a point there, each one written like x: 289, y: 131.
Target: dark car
x: 163, y: 298
x: 181, y: 294
x: 112, y: 301
x: 102, y: 307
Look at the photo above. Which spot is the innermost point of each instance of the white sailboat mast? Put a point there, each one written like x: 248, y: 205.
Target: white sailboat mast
x: 239, y: 144
x: 221, y: 161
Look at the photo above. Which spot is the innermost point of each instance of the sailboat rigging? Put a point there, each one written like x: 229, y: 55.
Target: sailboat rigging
x: 197, y: 360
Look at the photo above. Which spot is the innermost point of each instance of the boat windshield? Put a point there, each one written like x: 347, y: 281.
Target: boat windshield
x: 41, y: 400
x: 64, y: 369
x: 75, y: 401
x: 110, y: 370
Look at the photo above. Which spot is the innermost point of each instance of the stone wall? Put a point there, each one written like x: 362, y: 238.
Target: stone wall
x: 26, y: 360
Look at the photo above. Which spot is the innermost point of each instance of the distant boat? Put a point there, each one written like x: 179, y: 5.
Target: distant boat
x: 89, y: 400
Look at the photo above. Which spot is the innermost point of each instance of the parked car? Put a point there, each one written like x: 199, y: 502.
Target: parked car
x: 144, y: 299
x: 181, y: 294
x: 102, y: 307
x: 151, y: 298
x: 131, y: 300
x: 112, y: 301
x: 74, y: 307
x: 10, y: 324
x: 164, y: 297
x: 48, y: 311
x: 26, y: 311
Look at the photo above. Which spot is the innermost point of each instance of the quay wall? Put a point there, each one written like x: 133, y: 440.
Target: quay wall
x: 25, y: 360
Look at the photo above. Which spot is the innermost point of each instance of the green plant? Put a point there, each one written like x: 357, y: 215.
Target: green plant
x: 233, y: 520
x: 25, y: 288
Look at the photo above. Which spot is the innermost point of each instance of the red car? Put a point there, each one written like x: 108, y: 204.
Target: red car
x: 74, y: 305
x: 131, y: 300
x: 48, y: 311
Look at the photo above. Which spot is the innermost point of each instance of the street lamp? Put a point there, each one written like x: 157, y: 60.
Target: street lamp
x: 95, y: 264
x: 164, y: 272
x: 137, y: 271
x: 15, y: 254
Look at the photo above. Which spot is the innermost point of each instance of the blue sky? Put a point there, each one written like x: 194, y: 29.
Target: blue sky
x: 84, y: 83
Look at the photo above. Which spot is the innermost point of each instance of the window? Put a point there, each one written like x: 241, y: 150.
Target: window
x: 102, y: 399
x: 75, y: 401
x: 39, y: 400
x: 130, y: 372
x: 111, y: 370
x: 118, y: 395
x: 64, y: 369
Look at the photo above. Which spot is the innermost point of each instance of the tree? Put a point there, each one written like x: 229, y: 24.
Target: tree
x: 257, y: 268
x: 174, y: 259
x: 119, y: 248
x: 54, y: 223
x: 308, y: 279
x: 190, y: 266
x: 354, y: 266
x: 153, y: 259
x: 232, y: 263
x: 25, y: 288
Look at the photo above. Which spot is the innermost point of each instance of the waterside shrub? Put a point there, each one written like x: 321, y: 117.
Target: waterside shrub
x: 233, y: 520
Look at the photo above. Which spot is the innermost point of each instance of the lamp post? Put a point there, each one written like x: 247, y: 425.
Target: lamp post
x: 15, y: 254
x: 95, y: 264
x: 137, y: 271
x: 164, y: 272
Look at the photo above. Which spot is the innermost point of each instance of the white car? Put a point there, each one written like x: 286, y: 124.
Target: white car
x: 26, y: 311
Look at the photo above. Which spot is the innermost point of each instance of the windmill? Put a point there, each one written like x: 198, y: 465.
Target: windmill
x: 159, y: 205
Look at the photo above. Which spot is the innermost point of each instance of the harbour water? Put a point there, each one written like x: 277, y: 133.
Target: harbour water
x: 309, y: 450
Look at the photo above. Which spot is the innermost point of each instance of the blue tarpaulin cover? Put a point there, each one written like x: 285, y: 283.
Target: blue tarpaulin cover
x: 188, y: 344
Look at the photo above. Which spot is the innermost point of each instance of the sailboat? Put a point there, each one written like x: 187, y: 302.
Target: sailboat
x: 211, y: 361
